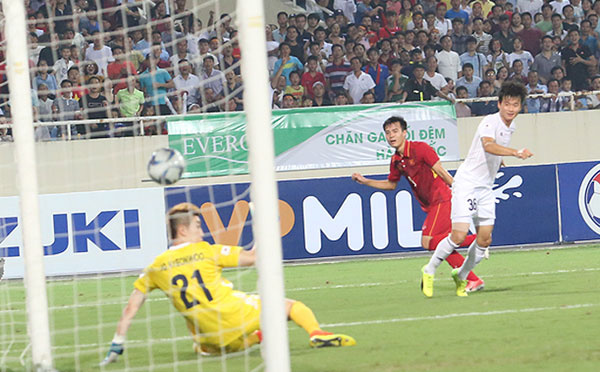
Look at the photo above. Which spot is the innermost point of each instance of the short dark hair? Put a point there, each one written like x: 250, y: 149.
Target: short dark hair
x: 461, y: 88
x: 512, y: 89
x: 395, y: 119
x: 468, y: 65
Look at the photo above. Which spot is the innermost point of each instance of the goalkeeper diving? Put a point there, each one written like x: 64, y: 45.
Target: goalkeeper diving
x: 220, y: 319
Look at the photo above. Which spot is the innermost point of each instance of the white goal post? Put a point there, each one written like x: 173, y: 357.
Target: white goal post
x: 20, y: 100
x: 263, y: 187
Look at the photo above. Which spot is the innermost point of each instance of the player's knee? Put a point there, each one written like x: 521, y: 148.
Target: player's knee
x: 458, y: 236
x: 425, y: 240
x: 484, y: 241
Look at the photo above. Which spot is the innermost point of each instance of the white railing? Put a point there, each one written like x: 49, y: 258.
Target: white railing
x: 138, y: 122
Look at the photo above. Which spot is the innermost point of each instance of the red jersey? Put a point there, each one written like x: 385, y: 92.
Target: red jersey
x: 415, y: 164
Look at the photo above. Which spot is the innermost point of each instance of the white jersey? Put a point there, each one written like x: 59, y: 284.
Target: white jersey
x: 480, y: 167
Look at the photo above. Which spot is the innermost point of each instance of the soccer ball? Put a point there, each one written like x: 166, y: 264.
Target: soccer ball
x: 166, y: 166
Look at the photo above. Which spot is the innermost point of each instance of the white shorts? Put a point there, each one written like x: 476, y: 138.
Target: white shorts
x: 473, y: 204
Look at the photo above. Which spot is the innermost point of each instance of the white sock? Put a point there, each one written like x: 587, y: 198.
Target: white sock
x: 474, y: 255
x: 443, y: 250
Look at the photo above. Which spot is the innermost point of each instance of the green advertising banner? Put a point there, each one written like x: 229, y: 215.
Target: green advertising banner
x: 312, y: 138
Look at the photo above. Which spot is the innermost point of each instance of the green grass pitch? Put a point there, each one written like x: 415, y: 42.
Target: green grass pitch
x: 540, y: 311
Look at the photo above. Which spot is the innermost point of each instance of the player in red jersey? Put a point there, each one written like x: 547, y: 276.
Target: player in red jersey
x: 430, y: 185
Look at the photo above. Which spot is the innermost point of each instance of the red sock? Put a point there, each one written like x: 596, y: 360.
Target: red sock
x: 456, y: 260
x: 468, y: 240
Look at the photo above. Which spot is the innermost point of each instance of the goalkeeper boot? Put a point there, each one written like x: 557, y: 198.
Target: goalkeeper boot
x: 326, y: 339
x: 461, y: 284
x: 475, y: 285
x: 427, y: 283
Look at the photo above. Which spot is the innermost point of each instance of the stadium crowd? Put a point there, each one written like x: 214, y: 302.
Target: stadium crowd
x: 94, y: 59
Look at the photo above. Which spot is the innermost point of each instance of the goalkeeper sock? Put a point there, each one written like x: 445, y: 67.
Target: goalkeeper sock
x: 304, y: 317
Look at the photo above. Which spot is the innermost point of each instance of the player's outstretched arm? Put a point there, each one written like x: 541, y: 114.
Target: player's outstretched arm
x: 490, y: 146
x: 378, y: 184
x: 247, y: 258
x: 136, y: 300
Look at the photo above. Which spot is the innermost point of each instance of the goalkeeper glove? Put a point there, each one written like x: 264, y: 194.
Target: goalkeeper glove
x: 115, y: 350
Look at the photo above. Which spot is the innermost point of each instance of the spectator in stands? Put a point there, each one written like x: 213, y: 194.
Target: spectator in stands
x: 546, y: 60
x: 441, y: 22
x: 94, y: 106
x: 379, y: 74
x: 320, y: 98
x: 186, y: 86
x: 419, y: 89
x: 456, y: 12
x: 120, y: 69
x: 234, y: 90
x: 310, y: 77
x: 130, y: 102
x: 576, y: 60
x: 448, y: 60
x: 288, y: 101
x: 436, y: 79
x: 462, y: 109
x: 65, y: 108
x: 484, y: 107
x: 469, y: 80
x: 368, y: 98
x: 286, y: 62
x: 358, y: 82
x: 228, y: 60
x: 395, y: 82
x: 155, y: 81
x: 49, y: 51
x: 459, y: 37
x: 483, y: 39
x: 291, y: 39
x: 534, y: 87
x: 295, y: 88
x: 497, y: 57
x: 44, y: 108
x: 517, y: 72
x: 546, y: 24
x: 211, y: 77
x: 78, y: 83
x: 554, y: 103
x: 476, y: 59
x: 588, y: 37
x: 280, y: 33
x: 530, y: 36
x: 99, y: 53
x: 520, y: 54
x: 557, y: 27
x: 593, y: 100
x: 315, y: 51
x: 43, y: 76
x: 181, y: 53
x: 341, y: 99
x: 155, y: 53
x: 505, y: 34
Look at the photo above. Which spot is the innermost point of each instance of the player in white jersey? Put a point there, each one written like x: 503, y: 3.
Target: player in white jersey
x: 472, y: 196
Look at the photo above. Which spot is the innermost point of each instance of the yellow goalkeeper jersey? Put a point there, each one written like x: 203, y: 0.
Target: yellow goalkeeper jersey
x: 190, y: 275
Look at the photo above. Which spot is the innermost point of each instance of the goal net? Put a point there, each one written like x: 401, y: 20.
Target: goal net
x: 109, y: 79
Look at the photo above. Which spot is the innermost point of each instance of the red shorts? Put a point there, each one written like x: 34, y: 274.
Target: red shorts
x: 438, y: 219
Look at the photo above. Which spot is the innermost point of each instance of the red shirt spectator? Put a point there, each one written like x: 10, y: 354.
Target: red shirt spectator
x: 310, y: 77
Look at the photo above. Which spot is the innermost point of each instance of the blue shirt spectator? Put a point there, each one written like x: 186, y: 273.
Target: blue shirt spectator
x: 292, y: 63
x: 149, y: 78
x: 379, y: 73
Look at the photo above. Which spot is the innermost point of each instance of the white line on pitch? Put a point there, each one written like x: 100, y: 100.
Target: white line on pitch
x: 459, y: 315
x: 300, y: 289
x: 371, y: 322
